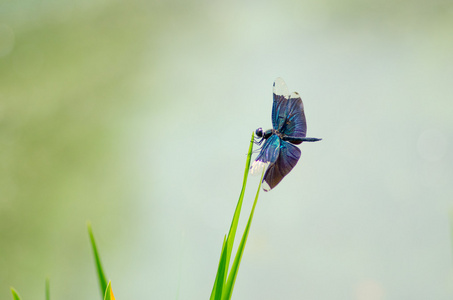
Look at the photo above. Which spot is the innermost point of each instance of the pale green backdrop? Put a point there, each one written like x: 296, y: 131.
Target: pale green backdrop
x: 137, y: 115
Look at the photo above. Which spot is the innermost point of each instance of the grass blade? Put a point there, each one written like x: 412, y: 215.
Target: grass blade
x: 221, y: 273
x: 218, y: 284
x: 237, y: 212
x: 108, y: 292
x: 228, y: 244
x: 100, y: 271
x: 237, y: 260
x: 47, y: 289
x: 15, y: 294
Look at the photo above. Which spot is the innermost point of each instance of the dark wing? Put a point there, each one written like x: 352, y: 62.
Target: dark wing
x: 288, y: 111
x: 295, y: 124
x: 287, y: 159
x: 281, y: 96
x: 270, y: 151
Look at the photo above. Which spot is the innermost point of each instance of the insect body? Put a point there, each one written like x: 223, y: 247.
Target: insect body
x: 279, y: 153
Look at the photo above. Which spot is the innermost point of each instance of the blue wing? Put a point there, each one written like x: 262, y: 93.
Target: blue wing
x: 281, y: 96
x: 288, y: 157
x: 288, y: 111
x: 268, y: 154
x: 270, y: 151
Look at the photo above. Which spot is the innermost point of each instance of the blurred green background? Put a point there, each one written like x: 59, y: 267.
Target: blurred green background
x: 137, y: 116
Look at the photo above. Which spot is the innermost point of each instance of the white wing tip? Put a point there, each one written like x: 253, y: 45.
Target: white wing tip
x: 280, y: 87
x: 278, y: 81
x: 257, y: 167
x: 265, y: 186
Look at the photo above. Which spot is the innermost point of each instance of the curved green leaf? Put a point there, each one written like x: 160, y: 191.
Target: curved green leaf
x: 100, y: 271
x: 15, y: 294
x: 47, y: 289
x: 108, y: 292
x: 227, y: 246
x: 237, y: 260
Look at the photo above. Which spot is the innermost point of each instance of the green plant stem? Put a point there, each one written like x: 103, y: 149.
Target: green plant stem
x: 227, y: 245
x: 237, y: 260
x: 47, y: 289
x: 100, y: 271
x: 234, y: 222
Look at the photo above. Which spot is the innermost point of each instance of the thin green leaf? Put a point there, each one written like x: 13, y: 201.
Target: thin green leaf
x: 15, y: 294
x: 237, y: 212
x: 220, y: 269
x: 234, y: 223
x: 100, y: 271
x: 108, y: 292
x: 47, y: 289
x: 221, y: 273
x: 228, y: 291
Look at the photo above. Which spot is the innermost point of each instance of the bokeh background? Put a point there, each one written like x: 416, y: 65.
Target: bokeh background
x: 136, y: 115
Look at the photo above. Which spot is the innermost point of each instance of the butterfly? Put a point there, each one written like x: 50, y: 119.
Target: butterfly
x: 279, y: 153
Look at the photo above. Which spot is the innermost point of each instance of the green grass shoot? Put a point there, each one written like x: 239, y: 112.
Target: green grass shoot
x: 100, y: 271
x: 224, y: 282
x: 15, y: 294
x: 108, y: 292
x: 240, y: 251
x: 47, y: 289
